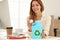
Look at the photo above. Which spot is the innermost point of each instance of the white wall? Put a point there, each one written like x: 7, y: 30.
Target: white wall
x: 24, y: 12
x: 52, y: 7
x: 4, y: 13
x: 1, y: 0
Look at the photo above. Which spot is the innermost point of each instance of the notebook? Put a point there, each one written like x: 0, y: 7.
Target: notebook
x: 37, y: 30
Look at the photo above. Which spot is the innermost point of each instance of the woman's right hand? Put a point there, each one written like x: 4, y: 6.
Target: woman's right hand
x: 29, y: 24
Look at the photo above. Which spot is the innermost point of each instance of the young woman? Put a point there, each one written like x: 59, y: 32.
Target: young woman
x: 36, y: 13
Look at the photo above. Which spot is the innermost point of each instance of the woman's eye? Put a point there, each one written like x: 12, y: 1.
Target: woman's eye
x: 37, y: 5
x: 32, y: 5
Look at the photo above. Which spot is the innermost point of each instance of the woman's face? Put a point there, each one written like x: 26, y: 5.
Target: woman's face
x: 36, y: 7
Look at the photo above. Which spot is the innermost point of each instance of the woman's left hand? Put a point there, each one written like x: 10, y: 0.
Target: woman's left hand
x: 43, y: 34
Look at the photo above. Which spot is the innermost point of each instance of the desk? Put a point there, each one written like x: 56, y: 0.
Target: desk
x: 48, y: 38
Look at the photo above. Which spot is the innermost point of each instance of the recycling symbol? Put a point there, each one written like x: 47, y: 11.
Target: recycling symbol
x: 37, y: 33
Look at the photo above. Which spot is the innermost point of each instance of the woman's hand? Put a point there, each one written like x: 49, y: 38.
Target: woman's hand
x: 29, y: 30
x: 44, y: 34
x: 29, y: 24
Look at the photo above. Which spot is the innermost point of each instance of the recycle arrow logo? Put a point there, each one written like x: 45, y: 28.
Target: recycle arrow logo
x: 37, y: 33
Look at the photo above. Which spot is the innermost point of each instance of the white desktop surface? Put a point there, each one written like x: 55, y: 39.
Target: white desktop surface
x: 48, y: 38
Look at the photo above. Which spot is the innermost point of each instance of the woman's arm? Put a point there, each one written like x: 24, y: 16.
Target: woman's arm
x: 46, y: 27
